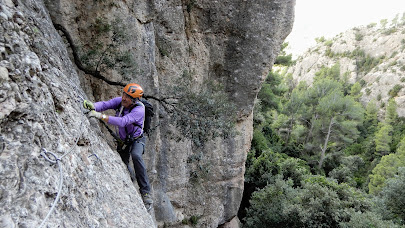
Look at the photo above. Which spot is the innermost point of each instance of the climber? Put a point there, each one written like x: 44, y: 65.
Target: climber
x: 129, y: 118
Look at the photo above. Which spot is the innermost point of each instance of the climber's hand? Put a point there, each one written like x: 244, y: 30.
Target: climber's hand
x: 93, y: 113
x: 88, y: 105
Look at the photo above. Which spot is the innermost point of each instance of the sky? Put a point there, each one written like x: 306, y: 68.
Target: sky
x: 317, y: 18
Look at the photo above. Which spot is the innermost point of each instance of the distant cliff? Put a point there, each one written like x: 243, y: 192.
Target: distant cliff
x: 45, y: 136
x: 372, y: 55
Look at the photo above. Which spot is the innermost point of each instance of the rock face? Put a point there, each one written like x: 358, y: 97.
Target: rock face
x: 372, y: 55
x: 233, y: 42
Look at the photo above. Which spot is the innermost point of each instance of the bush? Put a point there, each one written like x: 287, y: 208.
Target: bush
x: 367, y: 219
x: 394, y: 91
x: 106, y: 52
x: 368, y: 91
x: 393, y: 63
x: 259, y: 142
x: 326, y: 72
x: 281, y: 213
x: 329, y: 43
x: 320, y: 39
x: 362, y: 82
x: 285, y: 60
x: 379, y: 97
x: 345, y: 173
x: 359, y: 36
x: 393, y: 54
x: 202, y: 115
x: 367, y: 63
x: 389, y: 31
x: 263, y: 169
x: 372, y: 25
x: 293, y: 169
x: 319, y: 202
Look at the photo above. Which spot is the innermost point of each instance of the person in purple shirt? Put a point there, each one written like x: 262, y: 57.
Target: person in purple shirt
x: 129, y: 119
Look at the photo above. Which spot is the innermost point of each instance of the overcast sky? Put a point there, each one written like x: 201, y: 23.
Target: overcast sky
x: 316, y: 18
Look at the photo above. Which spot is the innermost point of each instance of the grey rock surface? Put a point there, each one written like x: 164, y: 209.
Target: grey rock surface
x: 233, y: 42
x: 384, y: 45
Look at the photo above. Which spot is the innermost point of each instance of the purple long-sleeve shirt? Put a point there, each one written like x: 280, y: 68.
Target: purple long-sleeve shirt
x: 126, y: 119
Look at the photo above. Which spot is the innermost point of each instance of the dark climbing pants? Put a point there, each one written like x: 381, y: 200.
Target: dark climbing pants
x: 136, y: 150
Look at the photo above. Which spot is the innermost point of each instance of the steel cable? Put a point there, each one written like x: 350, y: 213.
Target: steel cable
x: 57, y: 160
x: 44, y: 154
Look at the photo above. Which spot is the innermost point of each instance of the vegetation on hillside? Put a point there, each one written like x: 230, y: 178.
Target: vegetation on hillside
x: 319, y: 158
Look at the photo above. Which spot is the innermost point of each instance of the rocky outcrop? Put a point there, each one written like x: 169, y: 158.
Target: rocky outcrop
x: 372, y: 55
x: 45, y: 136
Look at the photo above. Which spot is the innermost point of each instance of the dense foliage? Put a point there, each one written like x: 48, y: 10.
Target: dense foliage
x: 319, y: 158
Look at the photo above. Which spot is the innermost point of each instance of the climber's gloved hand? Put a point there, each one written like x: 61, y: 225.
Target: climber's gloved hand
x: 93, y: 113
x: 88, y: 105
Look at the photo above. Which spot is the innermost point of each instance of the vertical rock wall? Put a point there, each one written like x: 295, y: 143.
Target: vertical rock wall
x: 233, y: 42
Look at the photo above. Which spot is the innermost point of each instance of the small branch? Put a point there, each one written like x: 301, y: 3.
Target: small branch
x: 102, y: 56
x: 162, y: 100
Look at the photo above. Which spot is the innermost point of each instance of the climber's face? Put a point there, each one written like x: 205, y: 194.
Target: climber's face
x: 126, y: 100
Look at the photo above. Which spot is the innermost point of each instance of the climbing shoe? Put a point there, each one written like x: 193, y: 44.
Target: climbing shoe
x: 147, y: 201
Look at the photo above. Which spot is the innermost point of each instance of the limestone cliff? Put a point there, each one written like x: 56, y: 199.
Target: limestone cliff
x: 45, y: 136
x: 372, y: 55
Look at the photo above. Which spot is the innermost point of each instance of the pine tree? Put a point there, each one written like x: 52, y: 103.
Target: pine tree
x: 355, y: 91
x: 339, y: 116
x: 391, y: 114
x: 387, y: 168
x: 371, y: 118
x: 383, y: 139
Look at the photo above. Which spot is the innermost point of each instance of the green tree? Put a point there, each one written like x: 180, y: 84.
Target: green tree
x: 271, y: 92
x: 263, y: 169
x: 371, y: 118
x: 368, y: 131
x: 310, y: 116
x: 394, y: 196
x: 383, y: 23
x: 391, y: 114
x: 283, y: 58
x: 330, y: 73
x: 322, y: 115
x: 355, y: 91
x: 387, y: 168
x: 394, y: 21
x: 291, y: 112
x: 383, y: 139
x: 320, y: 39
x: 347, y: 170
x: 339, y: 117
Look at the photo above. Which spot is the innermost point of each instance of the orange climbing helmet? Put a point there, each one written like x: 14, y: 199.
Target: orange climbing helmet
x: 133, y: 90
